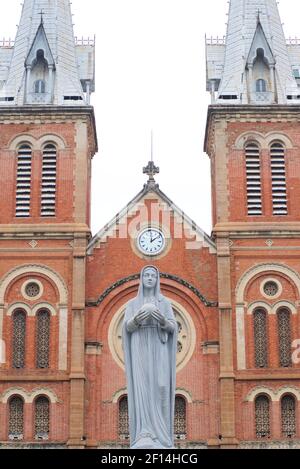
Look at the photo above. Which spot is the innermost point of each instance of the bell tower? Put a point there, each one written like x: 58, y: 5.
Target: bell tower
x: 48, y: 139
x: 252, y: 137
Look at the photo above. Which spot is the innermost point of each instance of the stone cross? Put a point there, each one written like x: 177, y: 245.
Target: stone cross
x: 151, y: 170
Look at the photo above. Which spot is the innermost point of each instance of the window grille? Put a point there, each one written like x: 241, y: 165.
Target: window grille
x: 23, y: 189
x: 262, y: 417
x: 123, y: 419
x: 284, y: 337
x: 42, y: 418
x: 260, y: 338
x: 16, y: 418
x: 48, y: 190
x: 180, y: 418
x: 261, y: 86
x: 254, y: 191
x: 42, y: 339
x: 288, y: 416
x: 279, y: 192
x: 19, y: 334
x: 271, y: 288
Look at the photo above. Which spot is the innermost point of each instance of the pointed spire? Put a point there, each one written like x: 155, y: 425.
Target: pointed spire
x: 46, y: 28
x: 250, y: 21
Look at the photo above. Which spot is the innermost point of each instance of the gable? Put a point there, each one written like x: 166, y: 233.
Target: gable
x: 40, y: 42
x: 260, y: 42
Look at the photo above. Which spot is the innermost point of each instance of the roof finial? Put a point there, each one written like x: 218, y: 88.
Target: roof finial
x: 258, y: 15
x: 151, y: 169
x: 42, y: 13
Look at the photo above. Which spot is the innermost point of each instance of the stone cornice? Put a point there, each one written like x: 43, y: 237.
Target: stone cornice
x: 49, y: 114
x: 244, y: 112
x: 263, y: 229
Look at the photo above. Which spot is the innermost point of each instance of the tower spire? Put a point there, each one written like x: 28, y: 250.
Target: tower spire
x: 45, y: 35
x: 255, y: 45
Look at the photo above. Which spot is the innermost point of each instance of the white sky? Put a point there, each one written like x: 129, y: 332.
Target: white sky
x: 150, y: 66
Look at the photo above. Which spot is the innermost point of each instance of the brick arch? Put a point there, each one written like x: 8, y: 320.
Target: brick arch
x: 242, y: 284
x: 250, y: 137
x: 260, y: 391
x: 63, y: 302
x: 26, y: 139
x: 278, y: 137
x: 52, y: 139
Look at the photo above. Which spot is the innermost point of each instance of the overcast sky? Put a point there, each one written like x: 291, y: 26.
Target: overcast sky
x: 150, y: 66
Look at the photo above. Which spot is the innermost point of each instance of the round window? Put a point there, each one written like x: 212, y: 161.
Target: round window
x: 32, y: 289
x: 271, y: 288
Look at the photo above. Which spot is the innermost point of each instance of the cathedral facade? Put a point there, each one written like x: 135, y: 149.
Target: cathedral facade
x: 235, y: 293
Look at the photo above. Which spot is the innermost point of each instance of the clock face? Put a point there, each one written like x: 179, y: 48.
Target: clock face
x: 151, y: 241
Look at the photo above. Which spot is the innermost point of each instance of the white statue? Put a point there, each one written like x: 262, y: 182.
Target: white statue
x: 150, y: 345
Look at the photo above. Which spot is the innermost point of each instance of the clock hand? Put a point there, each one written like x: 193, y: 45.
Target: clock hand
x: 154, y: 239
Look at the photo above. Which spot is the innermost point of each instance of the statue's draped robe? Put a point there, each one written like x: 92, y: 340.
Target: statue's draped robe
x: 150, y: 360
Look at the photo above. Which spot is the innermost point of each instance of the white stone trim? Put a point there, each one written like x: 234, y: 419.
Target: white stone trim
x: 264, y: 268
x: 274, y: 395
x: 52, y: 139
x: 40, y: 306
x: 264, y: 141
x: 119, y: 394
x: 262, y: 286
x: 28, y: 396
x: 34, y: 269
x: 19, y: 305
x: 284, y: 304
x: 23, y: 139
x: 23, y: 289
x: 239, y: 294
x: 259, y: 304
x: 187, y: 395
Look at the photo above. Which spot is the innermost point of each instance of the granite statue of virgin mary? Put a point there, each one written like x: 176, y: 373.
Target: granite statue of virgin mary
x: 150, y: 345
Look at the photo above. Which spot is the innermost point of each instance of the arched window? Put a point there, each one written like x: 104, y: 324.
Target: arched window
x: 261, y: 86
x: 42, y: 418
x: 253, y: 173
x: 260, y: 338
x: 42, y: 339
x: 262, y: 417
x: 180, y: 418
x: 39, y: 86
x: 48, y: 190
x: 123, y: 419
x: 19, y: 335
x: 16, y: 418
x: 288, y: 416
x: 284, y: 337
x: 279, y: 192
x: 23, y: 186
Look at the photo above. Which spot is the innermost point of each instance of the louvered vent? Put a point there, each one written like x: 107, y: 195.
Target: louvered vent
x: 23, y: 189
x: 48, y: 195
x: 279, y: 193
x: 254, y: 198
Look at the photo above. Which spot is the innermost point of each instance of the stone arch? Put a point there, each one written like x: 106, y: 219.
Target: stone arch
x: 43, y: 392
x: 284, y: 304
x: 240, y: 303
x: 288, y: 390
x: 264, y: 268
x: 117, y: 396
x: 260, y: 391
x: 47, y: 306
x: 250, y: 137
x: 259, y: 304
x: 20, y: 305
x: 180, y: 392
x: 52, y: 139
x: 278, y: 137
x: 34, y: 269
x: 26, y: 139
x: 20, y: 392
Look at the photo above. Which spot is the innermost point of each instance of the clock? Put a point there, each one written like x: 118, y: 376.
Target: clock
x: 151, y: 241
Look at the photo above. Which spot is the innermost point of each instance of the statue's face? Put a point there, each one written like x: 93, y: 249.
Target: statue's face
x: 149, y: 278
